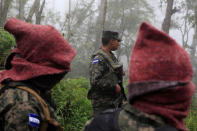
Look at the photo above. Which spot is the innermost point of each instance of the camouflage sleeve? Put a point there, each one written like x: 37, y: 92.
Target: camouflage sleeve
x: 20, y: 113
x: 22, y: 117
x: 99, y: 77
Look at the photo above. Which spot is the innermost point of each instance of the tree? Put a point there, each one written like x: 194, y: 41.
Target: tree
x: 102, y: 25
x: 4, y: 8
x: 104, y: 15
x: 69, y: 24
x: 53, y: 18
x: 169, y: 12
x: 100, y: 21
x: 82, y: 34
x: 80, y: 13
x: 192, y: 5
x: 39, y: 13
x: 33, y: 9
x: 21, y: 9
x: 125, y: 16
x: 37, y: 10
x: 122, y: 15
x: 194, y: 42
x: 183, y: 24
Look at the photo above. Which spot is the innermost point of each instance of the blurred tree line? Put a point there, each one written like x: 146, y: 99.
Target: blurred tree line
x: 83, y: 22
x: 82, y: 26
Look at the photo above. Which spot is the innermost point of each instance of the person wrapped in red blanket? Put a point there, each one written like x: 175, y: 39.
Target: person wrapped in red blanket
x: 40, y: 60
x: 159, y: 90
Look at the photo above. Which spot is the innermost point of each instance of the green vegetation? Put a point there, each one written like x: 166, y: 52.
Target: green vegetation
x: 7, y: 42
x: 191, y: 120
x: 73, y: 107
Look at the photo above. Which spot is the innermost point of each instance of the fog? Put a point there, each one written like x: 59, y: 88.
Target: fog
x: 83, y: 23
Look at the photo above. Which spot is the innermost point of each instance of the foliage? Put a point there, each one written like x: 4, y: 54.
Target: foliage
x: 7, y: 42
x: 122, y: 15
x: 73, y: 107
x: 191, y: 121
x: 192, y: 117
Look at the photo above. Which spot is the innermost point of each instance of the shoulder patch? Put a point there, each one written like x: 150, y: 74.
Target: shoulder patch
x: 34, y: 120
x: 95, y: 60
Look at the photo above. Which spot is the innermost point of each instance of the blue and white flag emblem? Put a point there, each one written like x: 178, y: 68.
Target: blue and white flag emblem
x: 34, y: 120
x: 96, y: 60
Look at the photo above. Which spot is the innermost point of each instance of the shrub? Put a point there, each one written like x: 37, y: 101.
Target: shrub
x: 191, y: 120
x: 7, y: 42
x: 73, y: 107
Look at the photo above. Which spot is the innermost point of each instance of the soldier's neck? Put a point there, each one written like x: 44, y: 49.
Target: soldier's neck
x: 106, y: 49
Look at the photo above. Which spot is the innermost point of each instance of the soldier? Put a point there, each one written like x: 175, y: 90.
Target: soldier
x: 106, y: 75
x: 159, y: 90
x: 40, y: 60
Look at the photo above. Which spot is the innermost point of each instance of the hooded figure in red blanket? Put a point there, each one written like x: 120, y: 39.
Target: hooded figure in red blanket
x: 159, y: 90
x: 40, y: 60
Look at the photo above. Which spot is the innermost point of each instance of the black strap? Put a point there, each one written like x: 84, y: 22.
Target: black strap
x: 105, y: 121
x: 116, y: 124
x: 117, y: 69
x: 2, y: 90
x: 166, y: 128
x: 108, y: 121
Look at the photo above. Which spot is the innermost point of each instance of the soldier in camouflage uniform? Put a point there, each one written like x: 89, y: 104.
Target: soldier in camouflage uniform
x: 106, y: 92
x: 159, y: 90
x: 40, y: 60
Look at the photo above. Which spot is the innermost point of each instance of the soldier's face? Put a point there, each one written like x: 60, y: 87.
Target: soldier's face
x: 114, y: 45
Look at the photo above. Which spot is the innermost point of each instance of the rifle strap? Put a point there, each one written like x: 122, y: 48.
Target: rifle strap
x: 47, y: 119
x: 109, y: 59
x: 112, y: 64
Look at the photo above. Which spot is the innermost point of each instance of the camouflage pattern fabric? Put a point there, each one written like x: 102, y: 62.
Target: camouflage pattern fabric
x: 126, y: 119
x: 103, y: 82
x: 131, y: 119
x: 16, y: 109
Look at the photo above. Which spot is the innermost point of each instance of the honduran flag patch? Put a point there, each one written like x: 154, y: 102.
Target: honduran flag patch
x: 96, y: 60
x: 34, y: 120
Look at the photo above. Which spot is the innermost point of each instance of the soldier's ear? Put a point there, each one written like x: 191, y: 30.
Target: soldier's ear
x: 111, y: 42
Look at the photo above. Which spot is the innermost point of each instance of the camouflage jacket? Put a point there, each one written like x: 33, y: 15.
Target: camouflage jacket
x: 21, y: 111
x: 131, y: 119
x: 127, y: 119
x: 103, y: 80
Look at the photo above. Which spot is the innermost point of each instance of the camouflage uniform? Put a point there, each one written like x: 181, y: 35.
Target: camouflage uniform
x: 103, y: 81
x: 131, y: 119
x: 16, y: 106
x: 21, y: 108
x: 127, y: 119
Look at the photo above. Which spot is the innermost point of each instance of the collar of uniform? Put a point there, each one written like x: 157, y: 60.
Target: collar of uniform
x: 10, y: 83
x: 137, y: 89
x: 139, y: 114
x: 109, y: 58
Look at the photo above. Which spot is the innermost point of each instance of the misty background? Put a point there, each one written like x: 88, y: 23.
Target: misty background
x: 81, y: 22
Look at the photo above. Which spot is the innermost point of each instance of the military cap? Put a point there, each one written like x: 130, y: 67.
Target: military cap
x: 111, y: 35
